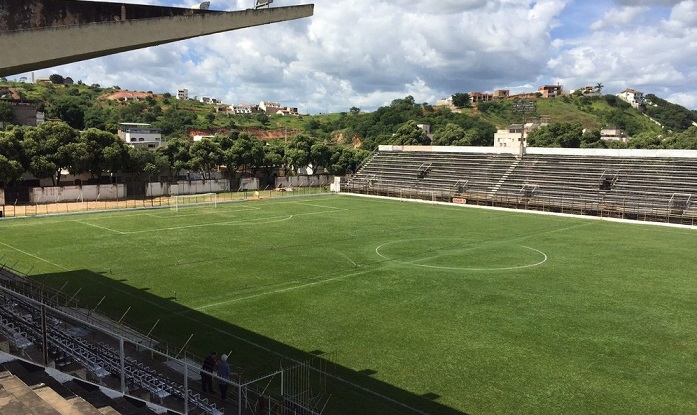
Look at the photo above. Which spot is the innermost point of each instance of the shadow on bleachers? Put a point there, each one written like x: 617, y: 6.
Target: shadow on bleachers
x: 75, y: 339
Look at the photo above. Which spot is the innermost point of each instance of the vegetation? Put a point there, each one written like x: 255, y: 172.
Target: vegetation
x: 338, y: 142
x: 445, y: 309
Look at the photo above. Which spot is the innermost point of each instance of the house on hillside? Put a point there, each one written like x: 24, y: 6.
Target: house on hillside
x: 244, y: 108
x: 140, y: 135
x: 511, y: 136
x: 182, y: 94
x: 287, y: 111
x: 550, y: 91
x: 480, y: 97
x: 269, y: 107
x: 502, y: 93
x: 445, y: 102
x: 24, y: 112
x: 633, y: 97
x: 613, y: 134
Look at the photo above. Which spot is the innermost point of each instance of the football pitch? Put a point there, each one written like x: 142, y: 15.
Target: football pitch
x: 423, y: 308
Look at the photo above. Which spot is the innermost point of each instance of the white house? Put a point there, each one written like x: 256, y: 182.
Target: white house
x: 141, y: 135
x: 511, y: 136
x: 243, y: 108
x: 613, y: 134
x: 269, y: 107
x: 183, y: 93
x: 633, y: 97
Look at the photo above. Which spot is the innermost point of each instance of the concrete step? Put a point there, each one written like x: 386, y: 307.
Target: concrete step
x: 70, y: 406
x: 23, y: 399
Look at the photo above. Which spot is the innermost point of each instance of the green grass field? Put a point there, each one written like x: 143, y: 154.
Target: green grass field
x: 448, y: 310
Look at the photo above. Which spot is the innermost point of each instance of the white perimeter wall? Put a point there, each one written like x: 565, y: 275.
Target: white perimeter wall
x: 249, y: 183
x: 186, y: 187
x: 77, y: 193
x: 548, y: 151
x: 304, y: 181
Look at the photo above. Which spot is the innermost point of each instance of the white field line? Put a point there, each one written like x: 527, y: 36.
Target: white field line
x: 414, y: 262
x: 271, y: 219
x: 439, y: 254
x: 279, y: 291
x: 321, y: 206
x: 35, y: 256
x: 258, y: 221
x: 346, y: 256
x: 100, y: 227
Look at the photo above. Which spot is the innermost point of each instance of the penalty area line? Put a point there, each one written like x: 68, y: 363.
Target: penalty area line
x: 35, y: 256
x: 280, y: 291
x: 100, y: 227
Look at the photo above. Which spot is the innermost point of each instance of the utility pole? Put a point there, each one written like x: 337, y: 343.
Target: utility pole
x: 523, y: 106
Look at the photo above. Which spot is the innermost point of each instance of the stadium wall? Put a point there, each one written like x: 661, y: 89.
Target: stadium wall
x: 186, y: 187
x: 548, y: 151
x: 76, y: 193
x: 304, y: 180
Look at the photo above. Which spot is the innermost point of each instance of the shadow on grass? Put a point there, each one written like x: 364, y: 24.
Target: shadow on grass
x: 352, y: 392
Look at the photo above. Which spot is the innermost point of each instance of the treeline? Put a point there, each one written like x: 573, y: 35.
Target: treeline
x: 54, y: 147
x: 397, y: 124
x: 572, y: 135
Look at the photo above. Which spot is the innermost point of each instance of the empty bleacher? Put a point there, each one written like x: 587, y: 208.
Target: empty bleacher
x: 26, y: 388
x: 641, y: 185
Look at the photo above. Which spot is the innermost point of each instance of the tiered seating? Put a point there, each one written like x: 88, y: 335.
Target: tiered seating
x: 657, y: 188
x: 443, y: 173
x: 28, y: 389
x: 100, y: 359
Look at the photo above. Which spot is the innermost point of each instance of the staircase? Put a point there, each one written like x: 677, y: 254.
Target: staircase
x: 503, y: 178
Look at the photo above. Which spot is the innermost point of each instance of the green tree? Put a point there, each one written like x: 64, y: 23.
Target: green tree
x: 56, y: 79
x: 461, y: 100
x: 11, y: 155
x: 410, y: 135
x: 177, y: 156
x: 263, y: 119
x: 96, y: 117
x: 451, y: 135
x: 345, y: 160
x: 320, y: 155
x: 69, y: 109
x: 564, y: 134
x: 47, y: 149
x: 246, y: 153
x: 6, y: 113
x: 592, y: 139
x: 206, y: 155
x: 274, y: 155
x: 647, y: 140
x: 105, y: 152
x: 299, y: 152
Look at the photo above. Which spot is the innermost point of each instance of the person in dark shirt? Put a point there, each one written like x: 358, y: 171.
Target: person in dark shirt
x: 206, y: 370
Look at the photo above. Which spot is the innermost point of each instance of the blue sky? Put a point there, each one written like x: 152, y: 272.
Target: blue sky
x: 365, y: 53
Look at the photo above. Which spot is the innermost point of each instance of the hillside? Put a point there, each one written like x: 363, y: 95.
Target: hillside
x: 87, y: 106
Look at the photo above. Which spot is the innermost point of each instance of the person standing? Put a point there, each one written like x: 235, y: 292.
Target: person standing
x: 222, y: 369
x: 206, y: 370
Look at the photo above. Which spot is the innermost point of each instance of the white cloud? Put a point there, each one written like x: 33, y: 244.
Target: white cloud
x: 659, y: 58
x: 366, y: 53
x: 687, y: 100
x: 619, y: 17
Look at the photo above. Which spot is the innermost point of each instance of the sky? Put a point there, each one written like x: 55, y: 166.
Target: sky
x: 366, y: 53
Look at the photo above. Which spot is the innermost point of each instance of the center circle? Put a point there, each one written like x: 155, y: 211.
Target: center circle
x: 460, y: 254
